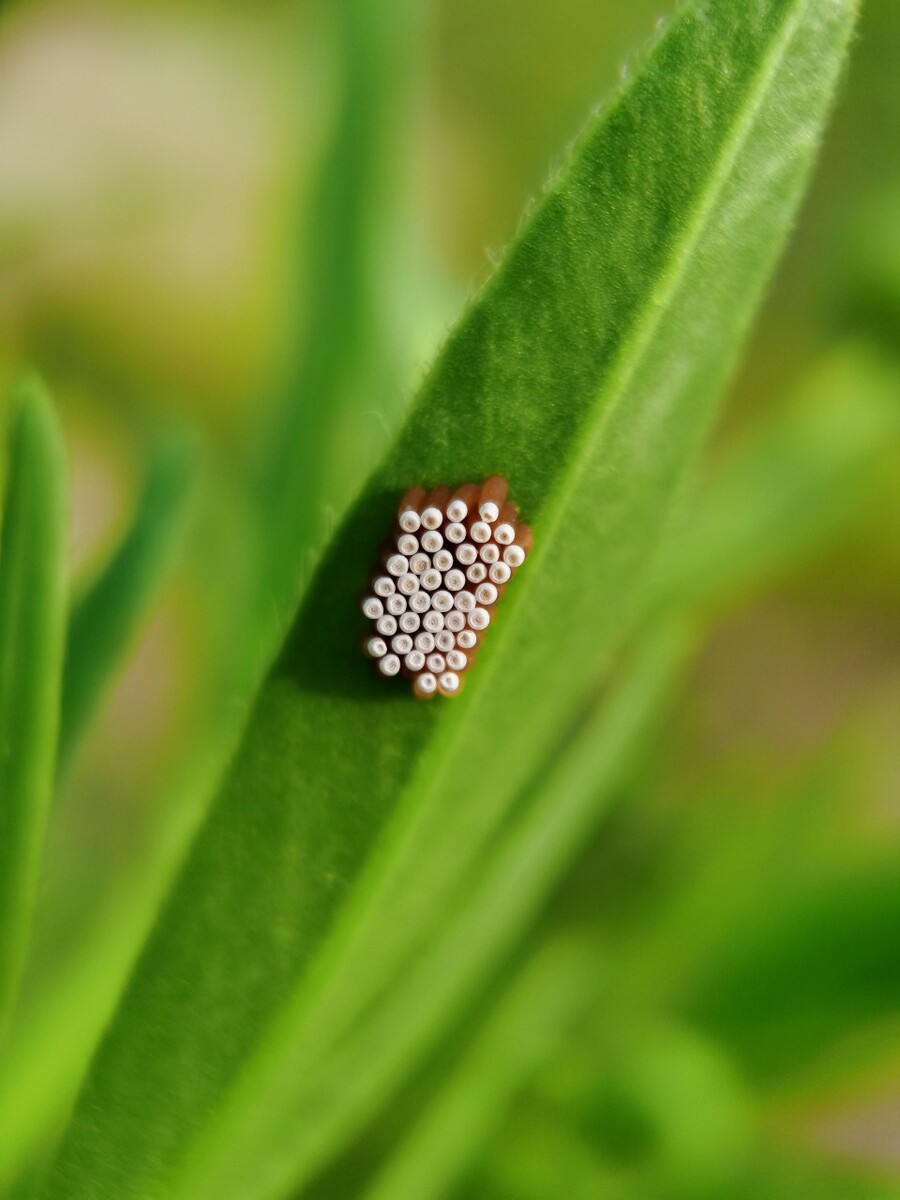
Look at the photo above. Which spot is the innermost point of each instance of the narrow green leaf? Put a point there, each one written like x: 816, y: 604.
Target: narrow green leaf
x: 692, y: 1118
x: 343, y: 367
x: 587, y: 371
x: 105, y: 618
x: 32, y: 607
x: 540, y: 1155
x: 788, y: 488
x: 777, y: 983
x: 829, y: 949
x: 558, y: 983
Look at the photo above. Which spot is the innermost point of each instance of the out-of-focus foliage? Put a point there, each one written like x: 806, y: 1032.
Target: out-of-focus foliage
x: 32, y: 620
x: 630, y: 930
x: 105, y: 615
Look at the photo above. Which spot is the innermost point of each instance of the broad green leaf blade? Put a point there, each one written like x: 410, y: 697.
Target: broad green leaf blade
x: 781, y: 493
x: 105, y: 618
x: 32, y: 616
x: 488, y: 916
x: 587, y: 371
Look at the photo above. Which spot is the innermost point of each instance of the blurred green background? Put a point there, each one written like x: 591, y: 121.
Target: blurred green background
x: 167, y: 177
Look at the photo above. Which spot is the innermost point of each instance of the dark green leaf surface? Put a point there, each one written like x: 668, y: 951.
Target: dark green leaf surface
x: 586, y: 372
x: 32, y: 617
x: 491, y: 912
x: 104, y: 619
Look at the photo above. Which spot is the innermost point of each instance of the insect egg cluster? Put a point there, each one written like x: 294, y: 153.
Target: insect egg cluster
x: 434, y: 595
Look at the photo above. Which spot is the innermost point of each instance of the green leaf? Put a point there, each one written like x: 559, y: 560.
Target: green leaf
x: 537, y: 1155
x: 815, y: 1175
x: 355, y: 820
x: 490, y: 913
x: 659, y: 1099
x: 32, y: 615
x: 827, y: 449
x: 255, y: 574
x: 776, y: 983
x: 791, y: 486
x: 799, y: 976
x: 342, y: 372
x: 105, y: 618
x: 558, y: 983
x: 871, y: 262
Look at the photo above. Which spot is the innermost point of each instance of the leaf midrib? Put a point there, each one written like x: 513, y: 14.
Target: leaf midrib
x: 433, y: 760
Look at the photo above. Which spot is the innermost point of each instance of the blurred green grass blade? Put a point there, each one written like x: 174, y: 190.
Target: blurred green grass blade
x: 869, y: 291
x: 852, y: 1075
x: 539, y: 1155
x: 587, y: 371
x: 785, y: 490
x: 801, y: 976
x: 55, y: 1034
x: 32, y: 614
x: 558, y: 982
x: 104, y: 619
x: 342, y: 371
x: 778, y: 983
x: 721, y: 872
x: 679, y: 1100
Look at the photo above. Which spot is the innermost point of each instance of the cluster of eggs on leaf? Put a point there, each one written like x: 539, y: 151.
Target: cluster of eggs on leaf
x: 434, y: 595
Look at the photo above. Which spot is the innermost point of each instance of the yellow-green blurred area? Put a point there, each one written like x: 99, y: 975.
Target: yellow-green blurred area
x: 161, y: 263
